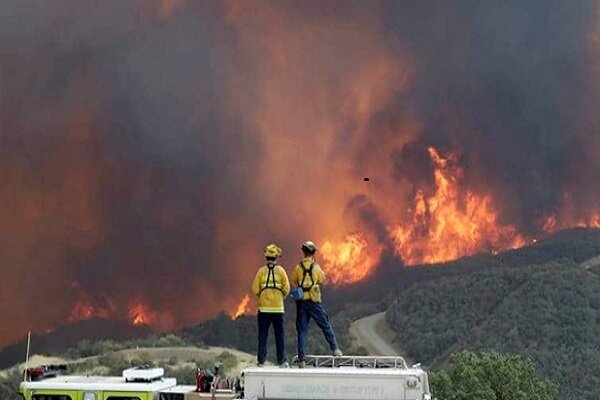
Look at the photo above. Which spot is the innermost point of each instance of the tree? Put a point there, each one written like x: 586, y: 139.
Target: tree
x: 490, y: 376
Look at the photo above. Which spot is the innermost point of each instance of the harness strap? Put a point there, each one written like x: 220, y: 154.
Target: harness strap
x: 307, y: 272
x: 271, y: 273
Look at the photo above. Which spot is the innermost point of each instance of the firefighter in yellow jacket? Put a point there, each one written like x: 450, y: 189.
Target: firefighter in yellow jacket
x: 308, y: 278
x: 271, y: 285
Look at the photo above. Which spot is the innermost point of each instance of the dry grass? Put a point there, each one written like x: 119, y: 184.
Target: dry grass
x: 175, y: 357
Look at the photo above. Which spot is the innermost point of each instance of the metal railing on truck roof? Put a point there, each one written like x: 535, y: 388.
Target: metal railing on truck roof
x: 354, y: 361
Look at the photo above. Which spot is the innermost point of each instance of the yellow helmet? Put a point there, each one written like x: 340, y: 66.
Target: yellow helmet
x: 273, y: 250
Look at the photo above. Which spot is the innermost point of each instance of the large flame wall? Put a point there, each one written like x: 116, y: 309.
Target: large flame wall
x: 149, y: 150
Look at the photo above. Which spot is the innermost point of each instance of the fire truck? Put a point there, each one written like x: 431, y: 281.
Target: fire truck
x: 323, y: 378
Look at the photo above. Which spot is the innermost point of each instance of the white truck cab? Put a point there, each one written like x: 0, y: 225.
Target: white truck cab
x: 135, y: 384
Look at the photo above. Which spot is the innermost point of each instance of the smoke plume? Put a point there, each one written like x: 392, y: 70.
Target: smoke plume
x: 149, y: 150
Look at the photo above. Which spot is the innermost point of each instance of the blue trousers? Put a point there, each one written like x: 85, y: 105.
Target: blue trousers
x: 264, y: 322
x: 305, y: 310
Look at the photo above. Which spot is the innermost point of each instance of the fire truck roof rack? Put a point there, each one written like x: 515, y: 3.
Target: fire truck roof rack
x: 144, y: 373
x: 353, y: 361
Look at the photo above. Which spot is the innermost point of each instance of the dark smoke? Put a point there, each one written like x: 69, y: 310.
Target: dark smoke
x: 132, y: 167
x: 119, y: 162
x: 504, y: 83
x: 412, y: 162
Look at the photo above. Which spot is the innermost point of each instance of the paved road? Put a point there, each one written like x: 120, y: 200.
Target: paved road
x: 589, y: 264
x: 366, y: 332
x: 592, y: 262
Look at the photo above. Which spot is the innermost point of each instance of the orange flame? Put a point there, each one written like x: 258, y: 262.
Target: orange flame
x: 348, y: 261
x: 139, y: 314
x: 85, y: 310
x: 549, y: 225
x: 552, y: 223
x: 450, y: 224
x: 242, y: 308
x: 136, y: 312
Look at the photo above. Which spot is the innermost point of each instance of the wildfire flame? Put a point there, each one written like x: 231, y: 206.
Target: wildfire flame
x: 140, y: 314
x: 451, y: 223
x: 137, y: 312
x: 298, y: 112
x: 552, y: 223
x: 243, y: 307
x: 348, y: 261
x: 85, y: 310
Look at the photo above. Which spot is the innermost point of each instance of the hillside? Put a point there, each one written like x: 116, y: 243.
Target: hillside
x: 65, y: 337
x: 381, y: 289
x: 549, y: 311
x: 180, y: 362
x: 242, y: 334
x: 542, y: 300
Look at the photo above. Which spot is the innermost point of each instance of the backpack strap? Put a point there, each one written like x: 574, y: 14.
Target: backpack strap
x: 307, y: 272
x: 270, y: 273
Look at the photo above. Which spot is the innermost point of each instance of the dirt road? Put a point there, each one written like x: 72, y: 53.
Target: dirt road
x: 373, y: 333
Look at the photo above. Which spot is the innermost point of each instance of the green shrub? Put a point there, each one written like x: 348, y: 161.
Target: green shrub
x: 490, y: 376
x: 170, y: 341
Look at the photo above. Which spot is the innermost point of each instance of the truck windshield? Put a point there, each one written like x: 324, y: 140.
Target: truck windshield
x: 51, y: 397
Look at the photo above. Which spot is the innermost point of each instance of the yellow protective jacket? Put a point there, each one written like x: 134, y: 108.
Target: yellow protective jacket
x: 271, y: 294
x: 311, y: 287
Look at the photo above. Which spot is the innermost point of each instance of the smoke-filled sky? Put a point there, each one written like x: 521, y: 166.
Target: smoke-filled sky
x: 149, y: 150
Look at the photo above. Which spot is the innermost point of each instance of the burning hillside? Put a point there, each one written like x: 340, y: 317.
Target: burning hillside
x: 148, y: 151
x: 451, y: 222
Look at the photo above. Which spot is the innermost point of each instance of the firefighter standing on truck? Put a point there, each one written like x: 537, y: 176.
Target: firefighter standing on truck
x: 308, y: 277
x: 271, y: 285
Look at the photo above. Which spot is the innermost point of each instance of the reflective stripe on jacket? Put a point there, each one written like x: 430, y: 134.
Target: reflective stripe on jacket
x: 270, y: 298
